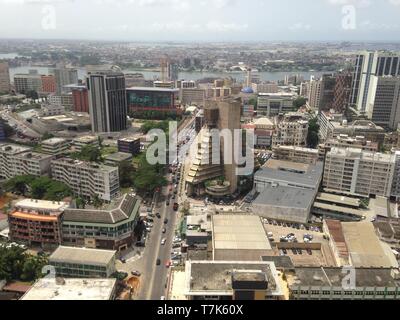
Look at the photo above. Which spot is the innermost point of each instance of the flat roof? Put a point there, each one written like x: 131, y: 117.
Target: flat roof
x: 239, y: 232
x: 86, y: 139
x: 340, y: 209
x: 291, y: 173
x: 329, y: 197
x: 285, y: 197
x: 71, y: 289
x: 33, y: 217
x: 335, y: 277
x: 42, y: 204
x: 263, y: 122
x: 119, y: 157
x: 54, y: 141
x: 153, y: 89
x: 13, y: 148
x: 215, y: 277
x: 82, y: 255
x: 365, y: 248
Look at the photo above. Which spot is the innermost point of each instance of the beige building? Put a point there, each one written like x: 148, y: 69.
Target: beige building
x: 79, y: 143
x: 356, y: 172
x: 296, y: 154
x: 292, y: 130
x: 4, y: 77
x: 314, y: 94
x: 28, y: 82
x: 87, y: 179
x: 55, y: 146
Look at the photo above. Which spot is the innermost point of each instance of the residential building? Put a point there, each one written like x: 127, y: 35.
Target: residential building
x: 356, y: 172
x: 84, y: 141
x: 115, y: 159
x: 87, y: 179
x: 286, y: 190
x: 25, y: 83
x: 64, y: 76
x: 4, y: 77
x: 273, y: 104
x: 37, y: 222
x: 368, y: 65
x: 80, y: 99
x: 291, y: 129
x: 264, y: 129
x: 49, y: 84
x: 112, y: 227
x: 127, y: 145
x: 48, y: 110
x: 333, y: 284
x: 72, y: 262
x: 265, y: 87
x: 383, y: 103
x: 190, y: 96
x: 17, y: 160
x: 72, y: 289
x: 107, y: 101
x: 295, y: 154
x: 64, y: 100
x: 314, y: 94
x: 55, y: 146
x: 328, y: 86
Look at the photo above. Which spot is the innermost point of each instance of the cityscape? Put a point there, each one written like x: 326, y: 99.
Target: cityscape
x: 206, y: 169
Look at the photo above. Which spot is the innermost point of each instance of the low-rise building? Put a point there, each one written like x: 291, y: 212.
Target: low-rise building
x: 72, y: 262
x: 272, y: 104
x: 72, y: 289
x: 111, y: 228
x: 87, y: 179
x: 291, y: 129
x: 115, y: 159
x: 286, y: 190
x: 55, y: 146
x: 37, y: 222
x: 296, y: 154
x: 131, y: 146
x: 228, y: 280
x: 79, y: 143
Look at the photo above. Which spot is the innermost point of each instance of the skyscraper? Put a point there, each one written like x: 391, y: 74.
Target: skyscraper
x: 369, y: 64
x: 342, y: 91
x: 107, y: 101
x: 64, y: 76
x: 4, y: 77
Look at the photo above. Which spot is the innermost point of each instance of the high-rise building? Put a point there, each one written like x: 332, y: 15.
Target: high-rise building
x: 107, y: 101
x: 4, y: 77
x: 64, y: 76
x: 370, y: 64
x: 327, y: 91
x: 383, y: 106
x: 49, y: 84
x: 342, y: 91
x: 314, y: 93
x: 80, y: 99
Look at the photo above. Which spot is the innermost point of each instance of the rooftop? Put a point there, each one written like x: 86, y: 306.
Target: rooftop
x: 335, y: 277
x: 119, y: 157
x: 85, y: 164
x: 41, y: 204
x: 86, y: 139
x: 215, y: 277
x: 152, y: 89
x: 54, y: 141
x: 239, y: 232
x: 122, y: 209
x: 71, y: 289
x: 13, y: 148
x: 82, y: 256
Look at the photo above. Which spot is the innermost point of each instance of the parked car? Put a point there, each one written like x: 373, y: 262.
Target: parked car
x: 164, y: 230
x: 136, y: 273
x: 158, y: 262
x: 163, y: 241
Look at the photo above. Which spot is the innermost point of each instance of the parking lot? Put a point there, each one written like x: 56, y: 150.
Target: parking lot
x: 311, y: 254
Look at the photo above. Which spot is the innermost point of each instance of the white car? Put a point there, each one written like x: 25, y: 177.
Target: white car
x: 163, y: 241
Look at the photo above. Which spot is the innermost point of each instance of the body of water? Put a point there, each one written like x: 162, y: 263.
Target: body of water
x: 150, y: 75
x: 9, y: 55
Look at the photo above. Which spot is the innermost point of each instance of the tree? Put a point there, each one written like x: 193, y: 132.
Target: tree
x: 32, y: 268
x: 299, y: 102
x: 88, y: 153
x: 313, y: 133
x: 19, y: 184
x: 47, y: 136
x: 126, y: 174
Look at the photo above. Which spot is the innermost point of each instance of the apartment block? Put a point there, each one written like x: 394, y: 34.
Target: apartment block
x: 357, y: 172
x: 37, y: 222
x: 131, y: 146
x: 87, y: 179
x: 296, y: 154
x: 292, y: 129
x: 28, y: 82
x: 79, y: 143
x: 272, y: 104
x: 55, y: 146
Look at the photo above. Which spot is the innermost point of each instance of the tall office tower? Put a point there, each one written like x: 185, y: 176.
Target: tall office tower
x: 314, y: 94
x: 370, y: 64
x: 107, y: 101
x: 80, y: 99
x: 64, y: 76
x: 383, y: 102
x: 4, y: 77
x: 327, y: 91
x: 49, y: 84
x: 342, y: 91
x: 25, y: 83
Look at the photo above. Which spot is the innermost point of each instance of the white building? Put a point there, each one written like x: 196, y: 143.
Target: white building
x: 87, y: 179
x: 55, y: 146
x: 357, y: 172
x: 272, y: 104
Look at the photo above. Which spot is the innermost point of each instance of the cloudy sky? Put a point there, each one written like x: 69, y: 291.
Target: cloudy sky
x: 202, y: 20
